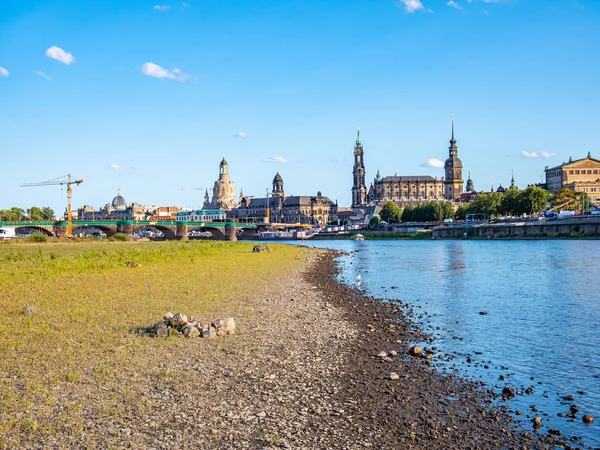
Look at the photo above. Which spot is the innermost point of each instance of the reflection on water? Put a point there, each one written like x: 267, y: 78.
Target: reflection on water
x: 542, y: 300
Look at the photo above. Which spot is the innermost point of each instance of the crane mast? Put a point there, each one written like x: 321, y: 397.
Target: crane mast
x: 68, y: 183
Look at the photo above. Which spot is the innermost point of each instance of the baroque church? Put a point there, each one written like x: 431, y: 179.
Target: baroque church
x: 223, y: 191
x: 407, y: 190
x: 293, y: 209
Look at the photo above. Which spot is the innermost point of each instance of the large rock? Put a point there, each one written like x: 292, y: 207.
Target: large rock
x: 229, y: 325
x: 208, y: 333
x: 161, y: 329
x: 178, y: 319
x: 508, y: 392
x: 415, y: 350
x: 218, y: 324
x: 588, y: 419
x: 29, y: 310
x: 168, y: 316
x: 191, y: 331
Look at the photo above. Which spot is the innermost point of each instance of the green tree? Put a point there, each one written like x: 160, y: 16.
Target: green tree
x: 486, y: 203
x: 35, y: 214
x: 534, y: 199
x: 374, y: 222
x: 512, y: 203
x: 563, y: 196
x: 408, y: 214
x: 47, y: 213
x: 463, y: 210
x: 391, y: 212
x: 12, y: 215
x: 447, y: 211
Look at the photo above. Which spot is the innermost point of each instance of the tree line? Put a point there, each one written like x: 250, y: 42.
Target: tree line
x: 512, y: 202
x: 33, y: 214
x: 423, y: 212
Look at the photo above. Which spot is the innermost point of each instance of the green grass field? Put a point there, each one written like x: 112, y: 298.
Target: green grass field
x: 79, y: 356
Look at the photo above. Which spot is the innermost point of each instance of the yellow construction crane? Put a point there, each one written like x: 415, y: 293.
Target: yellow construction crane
x: 59, y: 182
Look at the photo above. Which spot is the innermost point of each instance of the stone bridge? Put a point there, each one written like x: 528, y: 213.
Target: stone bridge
x: 170, y: 230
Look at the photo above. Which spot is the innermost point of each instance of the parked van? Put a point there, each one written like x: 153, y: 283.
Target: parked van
x: 7, y: 233
x: 565, y: 214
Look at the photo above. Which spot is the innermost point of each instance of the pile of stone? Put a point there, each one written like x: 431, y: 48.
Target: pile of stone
x: 180, y: 324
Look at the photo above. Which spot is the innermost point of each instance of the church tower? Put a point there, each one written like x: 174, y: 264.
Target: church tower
x: 453, y: 182
x: 359, y: 190
x: 224, y: 189
x: 470, y: 187
x: 206, y: 204
x: 278, y: 199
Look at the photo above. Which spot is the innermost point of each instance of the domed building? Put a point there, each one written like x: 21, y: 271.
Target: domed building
x: 224, y: 189
x: 119, y: 203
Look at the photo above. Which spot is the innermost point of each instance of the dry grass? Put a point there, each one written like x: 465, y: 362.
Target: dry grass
x: 78, y: 361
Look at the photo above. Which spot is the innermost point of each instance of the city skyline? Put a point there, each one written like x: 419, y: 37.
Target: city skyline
x: 127, y: 95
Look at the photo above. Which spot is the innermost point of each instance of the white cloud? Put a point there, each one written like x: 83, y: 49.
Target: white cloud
x: 3, y: 72
x: 240, y: 134
x: 276, y: 160
x: 453, y: 4
x: 154, y: 70
x: 43, y: 75
x: 59, y: 54
x: 412, y: 5
x: 162, y: 7
x: 435, y: 163
x: 116, y: 167
x: 491, y: 1
x: 526, y: 154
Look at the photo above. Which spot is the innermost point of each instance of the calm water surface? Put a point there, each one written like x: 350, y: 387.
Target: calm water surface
x: 542, y: 300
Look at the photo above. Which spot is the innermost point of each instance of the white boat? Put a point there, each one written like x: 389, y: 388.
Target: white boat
x: 359, y: 237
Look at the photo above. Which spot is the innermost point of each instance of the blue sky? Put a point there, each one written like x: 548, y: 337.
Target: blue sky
x: 146, y: 96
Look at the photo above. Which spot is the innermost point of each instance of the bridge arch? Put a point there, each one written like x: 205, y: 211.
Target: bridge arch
x: 169, y: 232
x: 37, y: 228
x: 218, y: 234
x: 106, y: 229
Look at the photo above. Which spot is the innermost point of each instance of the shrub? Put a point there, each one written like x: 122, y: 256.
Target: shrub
x: 38, y: 237
x: 119, y: 237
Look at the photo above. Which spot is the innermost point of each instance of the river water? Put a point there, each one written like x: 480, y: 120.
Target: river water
x: 542, y: 300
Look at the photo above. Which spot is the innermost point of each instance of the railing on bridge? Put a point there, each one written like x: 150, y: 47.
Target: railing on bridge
x: 133, y: 222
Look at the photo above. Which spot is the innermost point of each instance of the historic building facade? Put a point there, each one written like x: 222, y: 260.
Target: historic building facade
x: 294, y: 209
x: 117, y: 209
x: 581, y: 175
x: 359, y: 189
x: 223, y: 190
x: 405, y: 190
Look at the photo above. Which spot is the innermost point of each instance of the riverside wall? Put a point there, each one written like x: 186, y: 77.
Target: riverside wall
x: 575, y: 227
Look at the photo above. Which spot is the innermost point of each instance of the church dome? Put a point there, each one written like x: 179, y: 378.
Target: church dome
x: 223, y: 162
x: 277, y: 178
x: 119, y: 201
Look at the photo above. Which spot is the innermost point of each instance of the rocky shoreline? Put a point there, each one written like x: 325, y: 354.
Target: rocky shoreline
x: 419, y: 408
x: 315, y: 379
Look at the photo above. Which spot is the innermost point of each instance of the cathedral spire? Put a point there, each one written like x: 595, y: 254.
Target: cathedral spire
x: 452, y: 140
x: 358, y: 137
x: 512, y: 179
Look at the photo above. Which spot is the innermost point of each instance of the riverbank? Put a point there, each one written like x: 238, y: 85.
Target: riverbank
x: 300, y: 372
